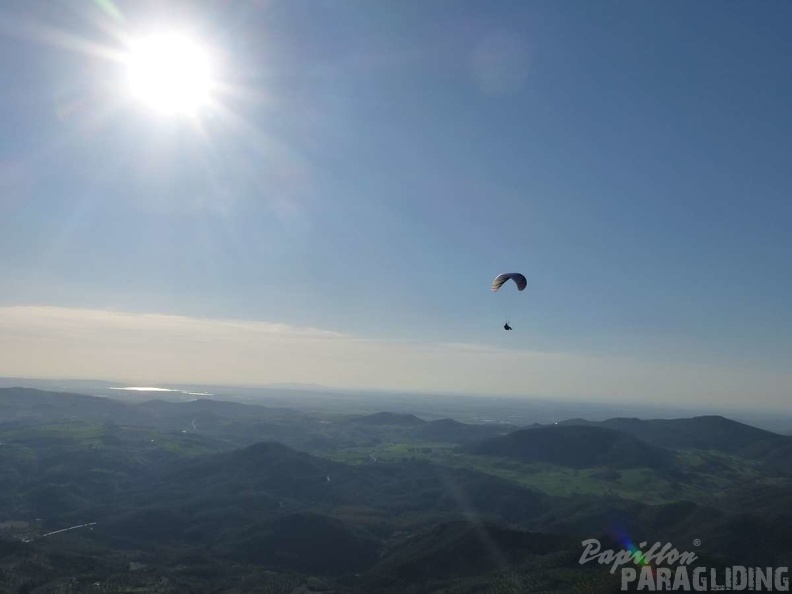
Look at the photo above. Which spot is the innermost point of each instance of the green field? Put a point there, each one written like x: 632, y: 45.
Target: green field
x: 699, y: 477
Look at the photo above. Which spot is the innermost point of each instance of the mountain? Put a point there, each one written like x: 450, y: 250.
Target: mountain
x: 575, y: 447
x: 706, y: 432
x: 268, y: 465
x: 27, y: 405
x: 460, y: 549
x: 225, y: 506
x: 714, y: 433
x: 306, y: 542
x: 452, y: 431
x: 271, y: 477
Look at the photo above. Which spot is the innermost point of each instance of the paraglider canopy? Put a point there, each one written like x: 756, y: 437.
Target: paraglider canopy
x: 518, y: 279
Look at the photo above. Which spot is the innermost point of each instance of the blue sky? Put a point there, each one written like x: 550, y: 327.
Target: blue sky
x: 372, y: 166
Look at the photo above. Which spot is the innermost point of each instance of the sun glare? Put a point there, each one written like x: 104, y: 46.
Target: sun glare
x: 170, y: 74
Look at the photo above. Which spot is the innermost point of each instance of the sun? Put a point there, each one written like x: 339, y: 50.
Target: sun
x: 170, y: 73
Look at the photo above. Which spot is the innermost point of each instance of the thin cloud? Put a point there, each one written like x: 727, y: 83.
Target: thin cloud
x: 151, y: 349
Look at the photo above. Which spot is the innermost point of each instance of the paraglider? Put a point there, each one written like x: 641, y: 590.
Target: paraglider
x: 518, y: 279
x: 502, y: 279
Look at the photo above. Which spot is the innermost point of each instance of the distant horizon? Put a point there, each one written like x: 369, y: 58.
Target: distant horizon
x: 57, y: 342
x: 771, y: 419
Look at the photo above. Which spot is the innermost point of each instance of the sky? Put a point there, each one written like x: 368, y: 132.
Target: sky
x: 336, y: 213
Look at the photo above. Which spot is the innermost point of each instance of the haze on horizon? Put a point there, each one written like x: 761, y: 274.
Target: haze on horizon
x: 331, y: 201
